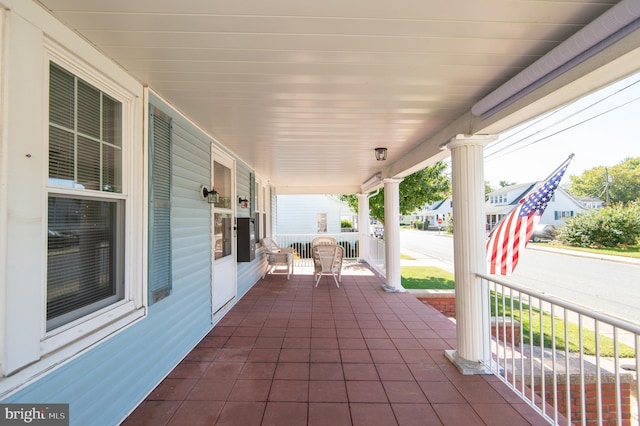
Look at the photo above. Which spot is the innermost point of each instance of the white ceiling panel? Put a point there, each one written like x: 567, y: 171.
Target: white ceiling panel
x: 304, y: 91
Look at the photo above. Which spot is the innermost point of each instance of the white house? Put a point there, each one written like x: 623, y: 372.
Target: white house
x: 591, y: 202
x: 435, y: 212
x: 312, y: 214
x: 502, y: 201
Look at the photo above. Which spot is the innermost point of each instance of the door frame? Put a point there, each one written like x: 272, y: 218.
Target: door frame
x: 226, y: 267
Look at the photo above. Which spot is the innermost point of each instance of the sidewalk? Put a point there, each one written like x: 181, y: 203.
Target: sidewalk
x: 420, y: 259
x: 576, y: 253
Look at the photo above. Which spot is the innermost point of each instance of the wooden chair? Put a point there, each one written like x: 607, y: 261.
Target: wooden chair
x: 277, y: 256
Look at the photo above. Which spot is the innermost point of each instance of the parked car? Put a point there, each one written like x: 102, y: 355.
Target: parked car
x: 62, y: 239
x: 543, y: 232
x: 377, y: 230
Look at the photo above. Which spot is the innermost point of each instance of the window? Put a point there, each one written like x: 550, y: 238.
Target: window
x: 222, y: 211
x: 261, y: 210
x: 563, y: 214
x: 85, y: 242
x: 322, y: 223
x: 85, y: 135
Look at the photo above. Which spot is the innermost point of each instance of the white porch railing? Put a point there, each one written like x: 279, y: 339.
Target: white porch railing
x: 301, y: 243
x: 376, y: 255
x: 573, y: 365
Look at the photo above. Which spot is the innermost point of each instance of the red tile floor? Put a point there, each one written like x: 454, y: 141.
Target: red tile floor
x: 289, y: 353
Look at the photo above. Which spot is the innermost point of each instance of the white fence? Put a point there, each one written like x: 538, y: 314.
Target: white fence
x: 573, y: 365
x: 301, y: 243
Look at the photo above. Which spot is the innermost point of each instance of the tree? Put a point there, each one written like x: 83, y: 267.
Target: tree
x: 487, y: 189
x: 422, y: 187
x: 623, y: 182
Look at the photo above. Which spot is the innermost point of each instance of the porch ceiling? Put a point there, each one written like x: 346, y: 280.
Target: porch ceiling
x: 304, y: 91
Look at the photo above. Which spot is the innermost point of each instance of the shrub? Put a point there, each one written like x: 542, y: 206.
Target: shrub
x: 344, y: 223
x: 448, y: 225
x: 613, y: 226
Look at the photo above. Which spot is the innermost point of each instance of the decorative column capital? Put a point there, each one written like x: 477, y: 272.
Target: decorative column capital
x: 467, y: 140
x: 392, y: 180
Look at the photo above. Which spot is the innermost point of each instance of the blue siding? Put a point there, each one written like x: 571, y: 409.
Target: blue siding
x: 243, y: 189
x: 105, y: 383
x: 248, y: 273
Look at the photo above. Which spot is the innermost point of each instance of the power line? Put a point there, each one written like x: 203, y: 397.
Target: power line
x: 520, y: 141
x: 562, y: 130
x: 533, y: 123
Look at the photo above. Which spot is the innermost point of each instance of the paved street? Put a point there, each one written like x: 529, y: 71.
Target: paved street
x: 600, y: 285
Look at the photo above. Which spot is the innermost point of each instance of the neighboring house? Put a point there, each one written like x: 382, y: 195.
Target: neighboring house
x: 312, y: 214
x: 432, y: 213
x: 591, y: 202
x: 429, y: 214
x: 562, y: 206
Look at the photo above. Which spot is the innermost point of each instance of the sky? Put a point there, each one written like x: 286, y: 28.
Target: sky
x: 606, y: 139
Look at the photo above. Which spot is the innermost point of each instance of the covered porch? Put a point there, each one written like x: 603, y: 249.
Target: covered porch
x: 206, y: 112
x: 290, y: 353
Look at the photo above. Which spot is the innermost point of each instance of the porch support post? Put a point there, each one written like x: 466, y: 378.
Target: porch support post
x: 469, y: 236
x: 363, y: 228
x: 392, y: 235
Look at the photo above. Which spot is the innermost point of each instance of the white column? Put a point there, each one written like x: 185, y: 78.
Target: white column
x: 469, y: 237
x: 363, y: 228
x: 392, y: 234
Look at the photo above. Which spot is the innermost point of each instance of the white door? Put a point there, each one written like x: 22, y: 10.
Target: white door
x: 223, y: 282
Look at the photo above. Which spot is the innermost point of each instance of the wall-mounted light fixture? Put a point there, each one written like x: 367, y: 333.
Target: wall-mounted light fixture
x: 210, y: 195
x: 244, y: 203
x: 381, y: 154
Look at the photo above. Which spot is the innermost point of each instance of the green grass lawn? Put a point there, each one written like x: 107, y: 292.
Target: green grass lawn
x: 531, y: 318
x: 426, y: 277
x: 432, y: 278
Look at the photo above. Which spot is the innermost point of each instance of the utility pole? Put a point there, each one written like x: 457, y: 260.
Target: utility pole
x: 606, y: 185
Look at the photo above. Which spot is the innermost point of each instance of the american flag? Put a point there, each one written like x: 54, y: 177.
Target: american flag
x: 514, y: 231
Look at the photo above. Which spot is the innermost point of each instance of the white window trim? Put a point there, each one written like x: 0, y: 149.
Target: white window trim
x: 84, y: 327
x: 260, y: 188
x: 27, y: 352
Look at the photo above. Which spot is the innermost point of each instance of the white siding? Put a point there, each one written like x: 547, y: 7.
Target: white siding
x: 298, y: 214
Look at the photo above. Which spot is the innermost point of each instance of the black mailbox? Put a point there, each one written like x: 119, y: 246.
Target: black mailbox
x: 246, y: 239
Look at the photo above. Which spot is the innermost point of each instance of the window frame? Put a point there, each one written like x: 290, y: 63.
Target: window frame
x: 322, y: 224
x: 260, y: 214
x: 100, y: 323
